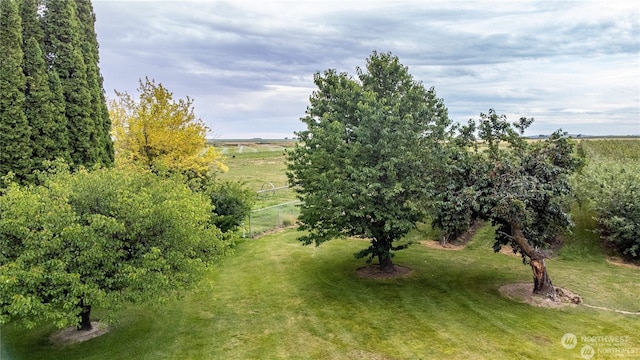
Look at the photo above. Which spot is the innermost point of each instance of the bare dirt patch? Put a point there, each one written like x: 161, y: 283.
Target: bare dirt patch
x: 621, y: 262
x: 457, y: 244
x: 523, y: 292
x: 508, y: 250
x: 373, y: 271
x: 433, y: 244
x: 71, y: 335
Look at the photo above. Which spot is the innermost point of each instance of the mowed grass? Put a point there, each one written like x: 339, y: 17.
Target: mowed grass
x: 277, y: 299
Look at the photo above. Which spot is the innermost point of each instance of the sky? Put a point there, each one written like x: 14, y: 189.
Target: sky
x: 248, y: 66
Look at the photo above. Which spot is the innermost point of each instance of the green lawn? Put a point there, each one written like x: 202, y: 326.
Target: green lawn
x: 277, y: 299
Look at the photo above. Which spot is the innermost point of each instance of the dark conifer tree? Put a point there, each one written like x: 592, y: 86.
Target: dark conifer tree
x: 15, y: 149
x: 60, y: 137
x: 47, y: 122
x: 99, y: 111
x: 63, y: 40
x: 31, y: 25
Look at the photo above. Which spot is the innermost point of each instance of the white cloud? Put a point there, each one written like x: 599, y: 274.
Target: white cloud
x: 249, y: 65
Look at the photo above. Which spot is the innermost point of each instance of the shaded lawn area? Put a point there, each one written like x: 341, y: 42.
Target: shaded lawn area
x: 276, y: 299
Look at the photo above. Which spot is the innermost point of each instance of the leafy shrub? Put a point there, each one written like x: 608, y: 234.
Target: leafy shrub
x: 231, y: 202
x: 288, y: 221
x: 610, y: 184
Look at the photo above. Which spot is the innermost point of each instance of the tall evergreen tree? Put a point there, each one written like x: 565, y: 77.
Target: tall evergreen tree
x: 31, y: 25
x: 60, y: 137
x: 15, y: 151
x: 42, y: 108
x: 63, y: 39
x: 99, y: 111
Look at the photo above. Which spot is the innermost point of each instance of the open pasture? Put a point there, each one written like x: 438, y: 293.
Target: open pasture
x: 260, y: 166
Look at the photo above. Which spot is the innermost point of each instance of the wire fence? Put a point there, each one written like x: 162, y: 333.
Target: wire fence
x: 269, y: 218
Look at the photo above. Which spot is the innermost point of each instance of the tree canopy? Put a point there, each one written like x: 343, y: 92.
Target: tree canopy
x: 362, y: 167
x: 160, y: 133
x: 522, y: 187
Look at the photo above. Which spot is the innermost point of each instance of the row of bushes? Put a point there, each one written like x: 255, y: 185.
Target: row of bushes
x: 610, y: 185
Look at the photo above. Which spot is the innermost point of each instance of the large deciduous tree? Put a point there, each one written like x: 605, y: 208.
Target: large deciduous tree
x: 99, y: 239
x: 362, y: 167
x: 160, y: 133
x: 15, y: 149
x: 521, y: 186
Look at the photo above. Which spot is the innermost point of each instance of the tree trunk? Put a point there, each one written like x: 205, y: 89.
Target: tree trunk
x: 85, y: 323
x: 386, y: 264
x: 541, y: 281
x: 444, y: 240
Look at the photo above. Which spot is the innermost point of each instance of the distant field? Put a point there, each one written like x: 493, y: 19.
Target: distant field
x: 260, y: 165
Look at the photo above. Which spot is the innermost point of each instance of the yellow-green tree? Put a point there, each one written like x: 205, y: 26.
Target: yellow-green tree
x: 160, y: 133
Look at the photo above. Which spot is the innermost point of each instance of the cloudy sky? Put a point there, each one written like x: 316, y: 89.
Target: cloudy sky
x: 249, y: 65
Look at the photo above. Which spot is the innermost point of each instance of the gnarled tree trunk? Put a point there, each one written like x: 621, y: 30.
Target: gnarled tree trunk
x: 541, y: 281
